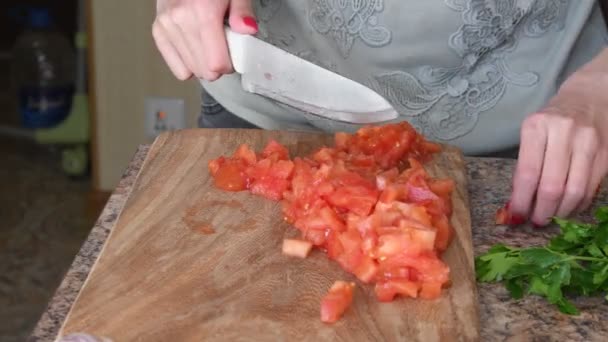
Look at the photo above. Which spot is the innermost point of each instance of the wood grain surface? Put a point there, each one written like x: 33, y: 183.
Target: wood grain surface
x: 188, y: 262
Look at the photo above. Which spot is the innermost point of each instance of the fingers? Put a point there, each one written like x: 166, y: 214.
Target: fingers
x: 533, y: 142
x: 213, y: 40
x: 598, y: 173
x: 555, y: 171
x: 585, y: 147
x: 176, y: 37
x: 242, y: 17
x: 185, y: 24
x: 169, y: 52
x: 190, y: 35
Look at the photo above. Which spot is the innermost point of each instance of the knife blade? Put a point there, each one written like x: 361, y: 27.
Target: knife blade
x: 279, y: 75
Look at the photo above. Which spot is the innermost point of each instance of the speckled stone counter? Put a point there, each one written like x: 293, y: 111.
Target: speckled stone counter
x: 502, y: 319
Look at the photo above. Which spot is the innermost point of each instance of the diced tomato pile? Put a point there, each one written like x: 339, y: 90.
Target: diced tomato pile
x: 367, y: 202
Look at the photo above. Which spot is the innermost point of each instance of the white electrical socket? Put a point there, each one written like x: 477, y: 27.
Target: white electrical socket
x: 164, y: 114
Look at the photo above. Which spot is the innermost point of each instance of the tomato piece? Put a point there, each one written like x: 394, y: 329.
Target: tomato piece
x: 428, y: 267
x: 341, y: 140
x: 275, y: 151
x: 503, y: 216
x: 356, y: 199
x: 336, y: 301
x: 230, y: 175
x: 334, y: 246
x: 384, y: 292
x: 316, y: 236
x: 444, y: 232
x: 331, y: 219
x: 420, y: 194
x: 409, y: 241
x: 405, y: 288
x: 387, y: 290
x: 367, y: 270
x: 214, y: 165
x: 296, y: 248
x: 392, y: 192
x: 431, y: 290
x: 246, y: 154
x: 442, y: 187
x: 324, y: 155
x: 394, y: 273
x: 352, y: 255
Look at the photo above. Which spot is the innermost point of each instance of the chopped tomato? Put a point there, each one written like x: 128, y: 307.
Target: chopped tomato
x: 367, y: 270
x: 246, y: 154
x: 431, y: 290
x: 336, y: 301
x: 334, y: 246
x: 442, y: 187
x: 368, y: 202
x: 503, y: 217
x: 444, y: 232
x: 296, y: 248
x: 275, y: 151
x: 356, y: 199
x: 387, y: 290
x: 229, y: 175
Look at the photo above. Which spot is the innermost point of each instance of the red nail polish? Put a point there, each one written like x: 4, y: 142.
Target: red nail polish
x: 508, y: 205
x: 517, y: 220
x: 536, y: 225
x: 250, y: 21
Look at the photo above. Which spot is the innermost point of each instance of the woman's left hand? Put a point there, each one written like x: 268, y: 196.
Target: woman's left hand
x: 563, y: 154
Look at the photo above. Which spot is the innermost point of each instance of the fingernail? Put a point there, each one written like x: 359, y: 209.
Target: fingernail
x: 517, y: 220
x: 536, y: 225
x: 250, y: 22
x: 508, y: 205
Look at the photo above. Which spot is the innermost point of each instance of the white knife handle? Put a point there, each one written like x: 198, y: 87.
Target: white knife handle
x: 237, y: 44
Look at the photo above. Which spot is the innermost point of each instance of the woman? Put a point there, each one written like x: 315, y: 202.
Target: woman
x: 484, y: 75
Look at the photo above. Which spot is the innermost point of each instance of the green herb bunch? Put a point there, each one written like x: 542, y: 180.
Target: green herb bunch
x: 574, y: 262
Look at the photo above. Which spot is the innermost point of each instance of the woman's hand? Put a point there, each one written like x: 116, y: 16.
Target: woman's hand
x: 563, y: 153
x: 190, y: 34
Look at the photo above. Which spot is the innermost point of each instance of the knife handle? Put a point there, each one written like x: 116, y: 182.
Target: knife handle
x: 237, y: 44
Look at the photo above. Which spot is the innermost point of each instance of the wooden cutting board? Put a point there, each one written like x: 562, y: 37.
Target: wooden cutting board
x: 188, y: 262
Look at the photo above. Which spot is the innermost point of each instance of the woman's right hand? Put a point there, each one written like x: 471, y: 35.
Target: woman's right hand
x: 190, y: 34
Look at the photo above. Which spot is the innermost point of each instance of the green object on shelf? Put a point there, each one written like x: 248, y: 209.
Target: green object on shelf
x: 73, y: 130
x: 74, y: 160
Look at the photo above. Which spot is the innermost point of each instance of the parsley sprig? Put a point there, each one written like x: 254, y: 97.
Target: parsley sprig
x: 573, y: 262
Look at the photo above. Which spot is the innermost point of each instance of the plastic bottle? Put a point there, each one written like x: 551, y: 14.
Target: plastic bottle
x: 43, y: 72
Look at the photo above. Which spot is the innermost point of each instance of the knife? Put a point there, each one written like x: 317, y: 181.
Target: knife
x: 279, y: 75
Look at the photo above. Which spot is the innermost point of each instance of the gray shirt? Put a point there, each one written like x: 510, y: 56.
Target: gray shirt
x: 463, y: 72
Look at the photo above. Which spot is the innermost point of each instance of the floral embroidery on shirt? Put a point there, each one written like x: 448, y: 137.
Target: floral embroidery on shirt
x: 445, y: 103
x: 347, y: 20
x: 264, y: 11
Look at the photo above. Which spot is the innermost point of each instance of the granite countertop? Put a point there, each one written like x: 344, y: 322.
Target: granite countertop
x: 502, y: 319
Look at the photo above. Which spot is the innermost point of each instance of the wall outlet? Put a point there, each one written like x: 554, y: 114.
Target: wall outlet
x: 164, y: 114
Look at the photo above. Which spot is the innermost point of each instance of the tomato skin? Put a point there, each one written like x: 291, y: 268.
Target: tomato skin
x: 336, y: 301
